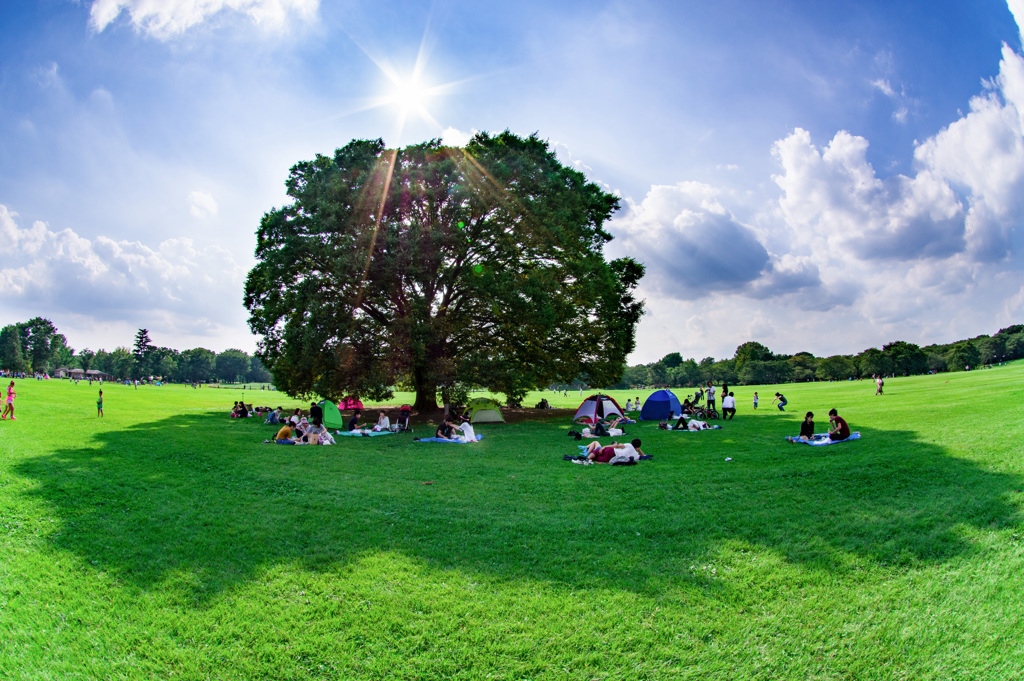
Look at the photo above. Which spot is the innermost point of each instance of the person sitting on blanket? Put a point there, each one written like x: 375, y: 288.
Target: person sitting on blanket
x: 467, y: 433
x: 840, y: 430
x: 599, y: 454
x: 315, y: 434
x: 353, y: 423
x: 807, y: 427
x: 383, y: 422
x: 284, y: 436
x: 445, y: 430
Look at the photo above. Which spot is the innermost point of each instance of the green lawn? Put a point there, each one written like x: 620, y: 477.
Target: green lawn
x: 165, y: 541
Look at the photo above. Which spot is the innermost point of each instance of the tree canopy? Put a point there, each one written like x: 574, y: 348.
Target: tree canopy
x: 437, y: 266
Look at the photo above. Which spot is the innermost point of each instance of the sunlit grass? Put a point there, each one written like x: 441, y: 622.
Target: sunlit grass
x: 165, y: 540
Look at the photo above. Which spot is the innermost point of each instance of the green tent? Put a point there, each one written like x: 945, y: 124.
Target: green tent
x: 484, y: 410
x: 332, y: 417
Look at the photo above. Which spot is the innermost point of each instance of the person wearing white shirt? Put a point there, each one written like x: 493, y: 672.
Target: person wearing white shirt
x: 383, y: 422
x: 468, y: 434
x: 728, y: 407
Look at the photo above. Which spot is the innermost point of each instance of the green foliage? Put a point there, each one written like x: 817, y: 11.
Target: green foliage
x: 198, y: 365
x: 442, y: 265
x: 962, y: 356
x: 836, y: 368
x: 672, y: 360
x: 906, y: 358
x: 60, y: 354
x: 11, y: 356
x: 751, y: 351
x: 257, y: 372
x: 873, y: 362
x: 85, y: 359
x: 233, y: 365
x: 143, y: 354
x: 36, y: 337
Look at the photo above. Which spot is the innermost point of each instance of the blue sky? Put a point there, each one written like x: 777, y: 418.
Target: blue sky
x: 815, y: 176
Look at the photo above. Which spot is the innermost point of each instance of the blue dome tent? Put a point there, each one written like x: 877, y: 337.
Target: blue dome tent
x: 660, y: 405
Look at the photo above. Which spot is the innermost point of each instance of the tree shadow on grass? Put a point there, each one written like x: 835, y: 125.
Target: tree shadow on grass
x: 179, y: 496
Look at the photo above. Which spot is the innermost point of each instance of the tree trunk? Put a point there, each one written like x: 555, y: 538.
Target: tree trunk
x: 426, y: 399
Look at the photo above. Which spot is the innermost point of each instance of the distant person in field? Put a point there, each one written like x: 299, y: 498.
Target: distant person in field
x: 728, y: 406
x: 781, y: 399
x: 99, y: 406
x: 840, y: 429
x: 603, y: 454
x: 755, y: 400
x: 9, y: 402
x: 878, y: 384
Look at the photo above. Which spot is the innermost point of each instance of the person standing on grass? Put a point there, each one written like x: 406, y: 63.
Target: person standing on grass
x: 99, y: 406
x: 755, y: 400
x: 9, y: 403
x: 840, y: 430
x: 711, y: 396
x: 781, y: 399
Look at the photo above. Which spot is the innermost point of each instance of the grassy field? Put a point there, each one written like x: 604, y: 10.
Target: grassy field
x: 164, y: 541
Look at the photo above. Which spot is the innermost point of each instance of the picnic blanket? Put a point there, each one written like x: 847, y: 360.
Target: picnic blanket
x: 441, y: 439
x: 822, y: 439
x: 364, y: 433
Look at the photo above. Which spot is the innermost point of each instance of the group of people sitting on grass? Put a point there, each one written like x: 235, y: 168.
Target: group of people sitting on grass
x: 838, y: 430
x: 240, y: 411
x: 304, y: 433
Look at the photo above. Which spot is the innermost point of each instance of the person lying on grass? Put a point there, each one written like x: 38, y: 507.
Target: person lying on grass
x: 692, y: 424
x: 840, y: 430
x: 603, y: 454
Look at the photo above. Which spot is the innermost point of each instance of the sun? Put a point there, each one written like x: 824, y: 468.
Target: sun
x: 410, y: 94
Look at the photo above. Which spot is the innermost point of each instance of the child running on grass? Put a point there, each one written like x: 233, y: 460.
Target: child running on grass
x: 9, y: 405
x: 99, y: 406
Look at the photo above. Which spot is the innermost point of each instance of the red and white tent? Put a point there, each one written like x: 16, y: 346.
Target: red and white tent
x: 597, y: 407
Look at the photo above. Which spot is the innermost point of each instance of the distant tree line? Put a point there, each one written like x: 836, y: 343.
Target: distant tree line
x: 35, y: 346
x: 755, y: 364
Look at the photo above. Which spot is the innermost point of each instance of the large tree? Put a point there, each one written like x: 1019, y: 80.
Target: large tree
x: 434, y: 266
x: 12, y: 357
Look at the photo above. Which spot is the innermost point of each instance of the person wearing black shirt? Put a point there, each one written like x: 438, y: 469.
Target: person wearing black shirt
x: 315, y: 411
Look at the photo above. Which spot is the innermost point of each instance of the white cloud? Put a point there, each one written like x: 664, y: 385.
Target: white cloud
x: 689, y: 242
x: 883, y: 85
x: 163, y: 19
x: 202, y: 205
x: 188, y: 288
x: 456, y: 138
